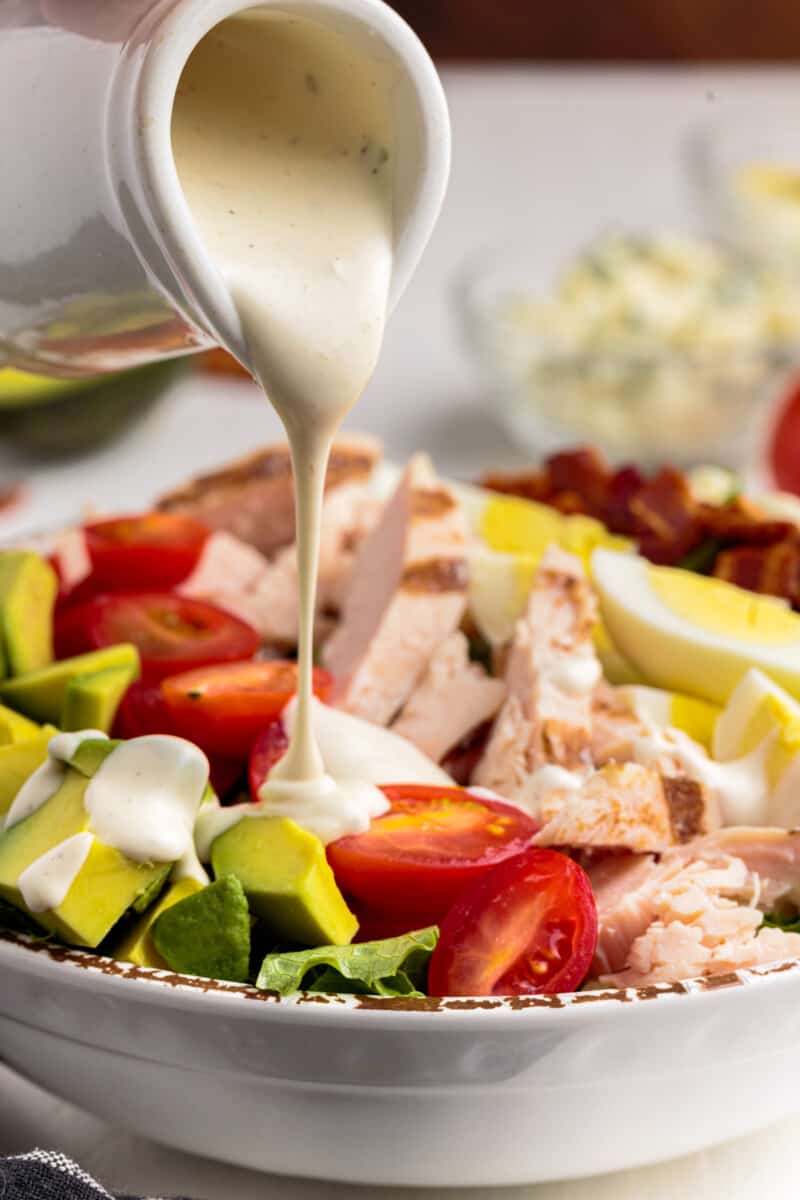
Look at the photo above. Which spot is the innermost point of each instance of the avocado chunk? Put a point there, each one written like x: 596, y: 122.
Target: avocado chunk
x: 107, y: 885
x: 138, y: 946
x: 40, y: 694
x: 16, y: 728
x: 28, y: 588
x: 285, y: 874
x: 104, y: 888
x: 91, y: 701
x: 207, y: 933
x: 88, y: 757
x: 18, y: 761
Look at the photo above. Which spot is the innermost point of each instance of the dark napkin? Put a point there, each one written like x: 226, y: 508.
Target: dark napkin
x: 44, y: 1175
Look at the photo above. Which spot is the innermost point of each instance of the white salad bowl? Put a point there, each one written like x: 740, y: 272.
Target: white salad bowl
x: 427, y: 1092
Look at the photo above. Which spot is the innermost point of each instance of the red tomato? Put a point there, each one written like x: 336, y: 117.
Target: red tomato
x: 527, y: 926
x: 172, y: 633
x: 224, y: 709
x: 431, y: 844
x: 144, y: 711
x: 784, y: 443
x: 153, y: 550
x: 374, y: 927
x: 268, y: 748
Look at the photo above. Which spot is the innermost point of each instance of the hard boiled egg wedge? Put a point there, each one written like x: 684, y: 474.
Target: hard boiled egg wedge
x: 510, y: 536
x: 758, y: 709
x: 759, y: 713
x: 697, y: 718
x: 690, y: 633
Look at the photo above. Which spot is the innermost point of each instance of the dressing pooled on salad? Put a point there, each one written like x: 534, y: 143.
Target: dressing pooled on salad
x: 280, y: 136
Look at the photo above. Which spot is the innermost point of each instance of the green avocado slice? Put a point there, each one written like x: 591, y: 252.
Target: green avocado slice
x: 18, y: 761
x: 91, y: 701
x: 287, y: 879
x: 28, y: 588
x: 138, y: 946
x: 40, y: 694
x: 105, y: 887
x: 16, y: 728
x: 208, y: 933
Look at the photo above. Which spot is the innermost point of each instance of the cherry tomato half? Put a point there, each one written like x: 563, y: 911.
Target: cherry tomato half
x: 144, y: 711
x: 172, y: 633
x: 224, y: 709
x: 420, y: 855
x: 152, y: 550
x: 527, y: 926
x: 268, y: 749
x: 784, y: 443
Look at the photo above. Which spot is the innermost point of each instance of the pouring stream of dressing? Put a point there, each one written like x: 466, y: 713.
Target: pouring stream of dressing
x: 280, y: 135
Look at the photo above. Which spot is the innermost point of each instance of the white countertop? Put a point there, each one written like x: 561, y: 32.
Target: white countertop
x: 559, y: 153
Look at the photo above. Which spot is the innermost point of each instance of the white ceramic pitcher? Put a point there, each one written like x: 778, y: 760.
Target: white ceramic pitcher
x: 101, y: 266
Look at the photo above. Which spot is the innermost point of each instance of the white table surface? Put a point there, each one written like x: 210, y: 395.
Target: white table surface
x: 554, y: 153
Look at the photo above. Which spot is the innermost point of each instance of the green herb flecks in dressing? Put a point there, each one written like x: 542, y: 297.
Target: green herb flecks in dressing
x: 281, y: 134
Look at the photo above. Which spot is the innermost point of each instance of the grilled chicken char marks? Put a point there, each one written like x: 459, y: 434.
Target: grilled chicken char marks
x: 253, y: 498
x: 406, y: 596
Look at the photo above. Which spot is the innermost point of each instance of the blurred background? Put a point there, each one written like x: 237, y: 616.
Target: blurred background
x: 617, y: 263
x: 627, y: 30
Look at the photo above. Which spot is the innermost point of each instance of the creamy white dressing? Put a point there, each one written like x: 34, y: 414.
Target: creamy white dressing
x: 45, y: 781
x: 358, y: 757
x: 281, y: 137
x: 577, y: 675
x: 546, y: 779
x: 142, y: 801
x: 45, y: 883
x: 144, y: 797
x: 353, y: 748
x: 741, y: 785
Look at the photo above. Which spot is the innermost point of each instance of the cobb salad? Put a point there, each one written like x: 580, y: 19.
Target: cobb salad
x: 584, y: 757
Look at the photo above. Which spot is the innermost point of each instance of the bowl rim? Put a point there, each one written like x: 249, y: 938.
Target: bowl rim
x: 41, y: 957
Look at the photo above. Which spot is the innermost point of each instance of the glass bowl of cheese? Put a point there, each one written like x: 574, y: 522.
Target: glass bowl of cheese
x: 653, y: 345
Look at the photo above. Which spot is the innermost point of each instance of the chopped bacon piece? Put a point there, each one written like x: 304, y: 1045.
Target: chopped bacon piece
x: 616, y: 512
x: 530, y: 485
x: 742, y: 522
x: 668, y: 517
x: 568, y: 503
x: 734, y: 539
x: 771, y: 570
x: 583, y: 471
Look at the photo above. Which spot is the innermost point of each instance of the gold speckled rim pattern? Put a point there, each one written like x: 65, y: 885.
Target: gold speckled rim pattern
x: 87, y: 961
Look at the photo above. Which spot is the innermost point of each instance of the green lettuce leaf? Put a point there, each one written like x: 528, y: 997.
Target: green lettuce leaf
x: 777, y: 921
x: 390, y: 967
